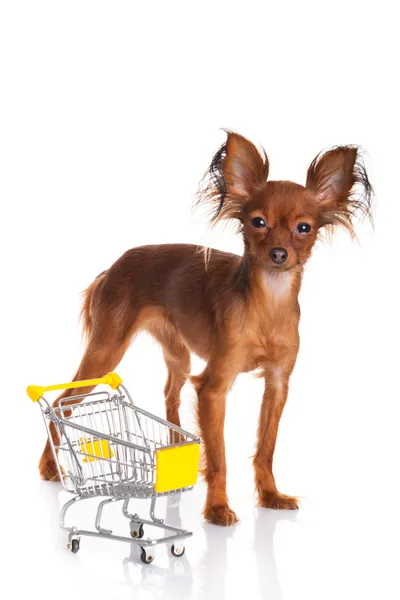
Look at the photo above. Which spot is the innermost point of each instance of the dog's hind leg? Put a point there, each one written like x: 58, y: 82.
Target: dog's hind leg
x: 177, y: 359
x: 104, y: 352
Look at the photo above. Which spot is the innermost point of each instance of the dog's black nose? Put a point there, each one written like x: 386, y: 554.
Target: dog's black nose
x: 278, y: 255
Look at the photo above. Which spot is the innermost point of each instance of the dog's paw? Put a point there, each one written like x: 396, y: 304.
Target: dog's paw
x: 220, y: 515
x: 278, y: 501
x: 48, y: 471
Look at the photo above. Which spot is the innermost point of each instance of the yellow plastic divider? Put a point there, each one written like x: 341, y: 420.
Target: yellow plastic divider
x: 97, y: 449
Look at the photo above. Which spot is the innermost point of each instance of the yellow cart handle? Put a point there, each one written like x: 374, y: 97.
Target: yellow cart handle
x: 35, y: 392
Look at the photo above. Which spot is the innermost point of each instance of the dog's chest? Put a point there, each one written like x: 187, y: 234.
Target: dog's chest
x: 270, y: 337
x: 267, y: 347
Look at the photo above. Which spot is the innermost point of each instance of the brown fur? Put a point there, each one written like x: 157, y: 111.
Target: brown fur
x: 238, y: 314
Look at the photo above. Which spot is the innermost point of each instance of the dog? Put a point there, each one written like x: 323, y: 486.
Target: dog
x: 238, y: 313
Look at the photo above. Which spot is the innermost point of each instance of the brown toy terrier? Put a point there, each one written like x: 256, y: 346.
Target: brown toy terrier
x: 238, y: 313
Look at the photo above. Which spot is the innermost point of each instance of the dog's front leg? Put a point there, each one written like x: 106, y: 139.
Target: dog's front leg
x: 274, y: 399
x: 212, y: 386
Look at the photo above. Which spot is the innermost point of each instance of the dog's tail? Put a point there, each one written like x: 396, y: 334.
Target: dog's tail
x: 86, y: 310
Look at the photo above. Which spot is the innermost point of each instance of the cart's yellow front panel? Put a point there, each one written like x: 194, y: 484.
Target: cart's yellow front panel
x: 177, y: 467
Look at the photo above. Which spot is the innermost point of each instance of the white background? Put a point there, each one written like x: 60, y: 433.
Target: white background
x: 110, y: 113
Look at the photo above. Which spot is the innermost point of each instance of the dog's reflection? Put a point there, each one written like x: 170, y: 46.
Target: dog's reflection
x: 177, y: 578
x: 264, y: 531
x: 211, y: 576
x: 214, y: 562
x: 52, y: 497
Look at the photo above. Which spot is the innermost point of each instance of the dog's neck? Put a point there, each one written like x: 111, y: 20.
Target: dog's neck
x: 278, y: 286
x: 275, y: 287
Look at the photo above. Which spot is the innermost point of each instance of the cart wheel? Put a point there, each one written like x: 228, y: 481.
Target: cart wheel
x: 137, y: 532
x: 146, y: 558
x: 177, y: 550
x: 74, y: 546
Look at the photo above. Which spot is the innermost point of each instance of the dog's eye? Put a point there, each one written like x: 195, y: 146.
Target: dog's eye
x: 303, y: 228
x: 258, y: 222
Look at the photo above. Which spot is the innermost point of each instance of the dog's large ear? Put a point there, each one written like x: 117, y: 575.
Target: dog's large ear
x: 341, y: 186
x: 236, y: 171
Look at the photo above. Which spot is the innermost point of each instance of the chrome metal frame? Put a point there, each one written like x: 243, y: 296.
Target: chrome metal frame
x: 122, y: 469
x: 101, y: 532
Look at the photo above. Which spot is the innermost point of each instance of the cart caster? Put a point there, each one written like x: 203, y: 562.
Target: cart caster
x: 137, y: 530
x: 146, y: 557
x: 74, y: 544
x: 178, y: 550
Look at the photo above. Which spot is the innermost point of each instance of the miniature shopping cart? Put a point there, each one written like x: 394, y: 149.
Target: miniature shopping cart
x: 104, y: 445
